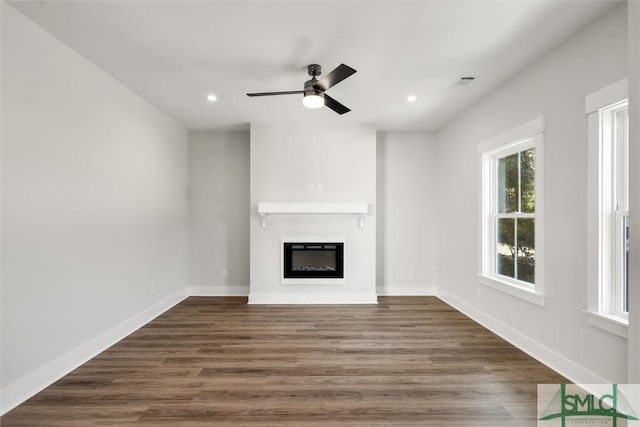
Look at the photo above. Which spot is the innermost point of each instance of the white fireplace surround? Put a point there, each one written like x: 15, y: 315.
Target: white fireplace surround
x: 318, y: 281
x: 312, y: 180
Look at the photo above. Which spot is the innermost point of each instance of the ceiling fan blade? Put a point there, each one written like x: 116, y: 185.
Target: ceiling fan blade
x: 291, y: 92
x: 335, y: 105
x: 340, y: 73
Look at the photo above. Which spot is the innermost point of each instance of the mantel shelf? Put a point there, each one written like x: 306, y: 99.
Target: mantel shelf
x: 266, y: 208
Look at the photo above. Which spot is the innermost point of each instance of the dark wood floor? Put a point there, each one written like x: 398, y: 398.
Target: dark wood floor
x: 217, y: 361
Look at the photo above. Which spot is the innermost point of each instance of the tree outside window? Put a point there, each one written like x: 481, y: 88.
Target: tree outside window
x: 515, y: 215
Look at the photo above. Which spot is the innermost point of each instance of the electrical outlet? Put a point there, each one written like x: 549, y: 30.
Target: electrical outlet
x: 412, y: 274
x: 225, y: 274
x: 152, y: 289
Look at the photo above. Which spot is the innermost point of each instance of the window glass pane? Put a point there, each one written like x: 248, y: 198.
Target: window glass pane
x: 528, y: 180
x: 505, y: 247
x: 526, y: 249
x: 508, y: 184
x: 621, y: 154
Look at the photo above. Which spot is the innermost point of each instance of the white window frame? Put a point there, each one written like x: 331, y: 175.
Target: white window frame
x: 607, y: 205
x: 529, y: 135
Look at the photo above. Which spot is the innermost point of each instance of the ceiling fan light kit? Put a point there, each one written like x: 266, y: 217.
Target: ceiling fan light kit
x: 314, y: 95
x: 313, y: 99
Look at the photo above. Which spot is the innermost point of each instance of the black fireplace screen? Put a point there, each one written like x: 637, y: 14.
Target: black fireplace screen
x: 314, y: 260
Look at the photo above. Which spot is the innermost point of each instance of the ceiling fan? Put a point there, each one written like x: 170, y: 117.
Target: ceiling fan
x: 314, y: 89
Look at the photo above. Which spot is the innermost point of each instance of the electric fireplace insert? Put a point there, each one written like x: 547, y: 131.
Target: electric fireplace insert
x: 313, y: 260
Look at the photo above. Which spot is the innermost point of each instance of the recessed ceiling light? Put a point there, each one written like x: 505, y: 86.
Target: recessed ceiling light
x: 212, y: 98
x: 411, y: 98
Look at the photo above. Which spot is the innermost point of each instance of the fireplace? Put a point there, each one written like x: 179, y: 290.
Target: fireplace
x: 312, y: 260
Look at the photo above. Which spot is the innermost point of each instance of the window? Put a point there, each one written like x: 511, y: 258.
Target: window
x: 607, y: 111
x: 513, y: 214
x: 511, y: 206
x: 618, y: 119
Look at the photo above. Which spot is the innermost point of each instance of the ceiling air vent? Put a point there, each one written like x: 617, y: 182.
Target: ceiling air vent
x: 464, y: 80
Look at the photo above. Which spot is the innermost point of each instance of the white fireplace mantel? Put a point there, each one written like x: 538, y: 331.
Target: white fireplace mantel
x: 361, y: 210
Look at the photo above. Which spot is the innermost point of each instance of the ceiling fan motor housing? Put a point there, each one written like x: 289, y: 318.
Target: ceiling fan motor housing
x: 310, y: 90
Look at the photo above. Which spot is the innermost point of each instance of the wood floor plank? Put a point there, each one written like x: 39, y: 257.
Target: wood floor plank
x: 218, y: 361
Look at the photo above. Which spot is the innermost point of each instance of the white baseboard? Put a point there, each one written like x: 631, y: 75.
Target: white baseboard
x: 406, y: 291
x: 219, y: 291
x: 285, y: 298
x: 17, y: 392
x: 554, y: 360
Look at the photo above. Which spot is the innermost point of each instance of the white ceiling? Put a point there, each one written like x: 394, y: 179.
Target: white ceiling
x: 173, y: 53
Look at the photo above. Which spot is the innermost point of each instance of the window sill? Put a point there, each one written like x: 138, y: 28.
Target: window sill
x: 513, y: 290
x: 609, y: 322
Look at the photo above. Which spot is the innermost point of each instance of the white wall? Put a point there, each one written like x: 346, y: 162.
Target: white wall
x: 554, y: 87
x: 285, y: 159
x: 94, y: 209
x: 407, y: 207
x: 219, y: 212
x: 634, y: 196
